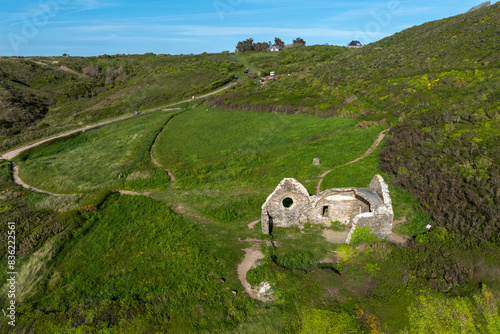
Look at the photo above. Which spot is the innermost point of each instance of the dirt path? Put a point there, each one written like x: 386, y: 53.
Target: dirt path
x: 12, y: 154
x: 19, y: 182
x: 335, y: 237
x: 252, y: 224
x: 399, y: 239
x: 252, y: 255
x: 250, y: 70
x: 367, y: 153
x: 132, y: 193
x: 9, y: 155
x: 153, y: 159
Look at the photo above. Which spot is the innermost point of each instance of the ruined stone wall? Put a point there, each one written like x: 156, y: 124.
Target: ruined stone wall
x: 291, y: 205
x: 378, y: 186
x: 275, y: 212
x: 380, y: 220
x: 338, y: 205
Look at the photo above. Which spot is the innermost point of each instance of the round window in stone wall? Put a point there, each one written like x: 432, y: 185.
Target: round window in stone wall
x: 287, y: 202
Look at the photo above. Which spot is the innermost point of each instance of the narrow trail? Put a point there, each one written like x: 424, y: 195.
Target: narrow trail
x: 18, y: 181
x: 153, y: 159
x: 9, y: 155
x: 250, y: 70
x: 377, y: 142
x: 252, y: 255
x: 399, y: 239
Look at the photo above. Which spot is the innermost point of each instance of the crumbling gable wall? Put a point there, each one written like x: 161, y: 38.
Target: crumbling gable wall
x: 289, y: 205
x: 380, y: 220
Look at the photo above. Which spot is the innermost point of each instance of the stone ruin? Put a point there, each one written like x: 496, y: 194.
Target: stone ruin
x: 291, y: 205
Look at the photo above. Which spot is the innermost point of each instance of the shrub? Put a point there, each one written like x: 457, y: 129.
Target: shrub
x: 436, y: 313
x: 298, y: 259
x: 346, y: 254
x: 362, y: 235
x: 329, y: 322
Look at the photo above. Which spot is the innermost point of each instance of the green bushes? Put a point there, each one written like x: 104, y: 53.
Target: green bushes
x: 300, y: 259
x: 362, y: 235
x: 328, y: 322
x: 446, y: 172
x: 436, y: 313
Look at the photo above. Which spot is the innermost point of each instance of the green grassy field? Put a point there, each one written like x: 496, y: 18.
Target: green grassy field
x: 231, y: 161
x: 212, y: 160
x: 226, y: 150
x: 128, y: 263
x: 116, y: 157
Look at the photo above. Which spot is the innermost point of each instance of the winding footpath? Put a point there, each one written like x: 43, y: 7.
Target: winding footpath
x: 9, y: 155
x: 377, y: 142
x: 252, y: 255
x: 18, y: 181
x: 153, y: 159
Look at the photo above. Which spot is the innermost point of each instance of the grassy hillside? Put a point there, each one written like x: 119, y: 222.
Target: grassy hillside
x: 213, y: 162
x: 217, y: 156
x: 41, y: 95
x: 438, y: 83
x: 140, y: 268
x: 129, y: 264
x: 96, y: 261
x: 116, y: 156
x: 437, y: 67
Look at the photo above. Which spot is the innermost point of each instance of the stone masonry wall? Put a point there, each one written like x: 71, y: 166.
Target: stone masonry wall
x: 291, y: 205
x: 380, y: 220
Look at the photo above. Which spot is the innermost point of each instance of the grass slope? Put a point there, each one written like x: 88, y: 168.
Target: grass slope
x: 438, y: 84
x: 116, y: 156
x: 231, y: 149
x: 41, y: 96
x: 134, y: 266
x: 129, y: 264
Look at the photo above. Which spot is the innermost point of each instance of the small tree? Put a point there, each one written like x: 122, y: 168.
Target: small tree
x: 279, y: 43
x: 261, y: 46
x: 299, y: 41
x: 246, y: 45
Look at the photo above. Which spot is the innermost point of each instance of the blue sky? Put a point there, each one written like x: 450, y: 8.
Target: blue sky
x: 94, y: 27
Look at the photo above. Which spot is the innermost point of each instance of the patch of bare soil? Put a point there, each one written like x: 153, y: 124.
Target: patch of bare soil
x: 399, y: 239
x: 252, y: 224
x: 132, y: 193
x: 252, y: 255
x: 335, y: 237
x: 330, y: 259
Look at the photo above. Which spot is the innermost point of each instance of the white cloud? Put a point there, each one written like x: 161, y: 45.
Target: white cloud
x: 216, y: 31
